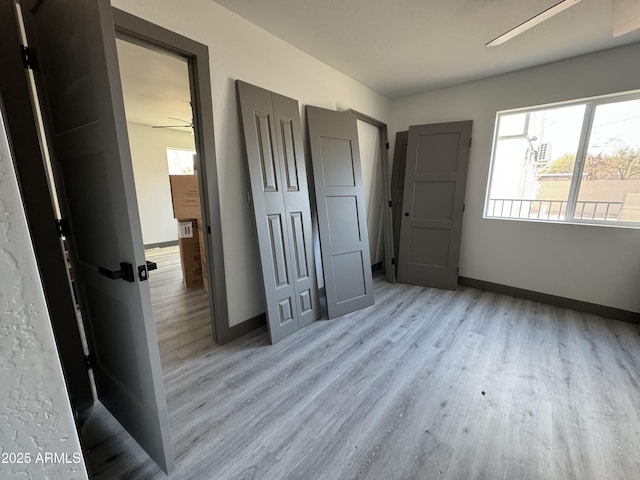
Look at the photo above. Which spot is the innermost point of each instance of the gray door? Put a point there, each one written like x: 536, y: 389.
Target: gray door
x: 433, y: 204
x: 36, y: 196
x: 278, y: 175
x: 342, y: 221
x: 397, y: 188
x: 79, y: 85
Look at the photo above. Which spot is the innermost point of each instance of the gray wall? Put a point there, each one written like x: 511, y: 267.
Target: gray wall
x: 588, y: 263
x: 35, y: 413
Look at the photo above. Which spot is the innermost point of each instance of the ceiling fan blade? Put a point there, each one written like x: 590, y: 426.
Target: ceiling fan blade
x: 626, y: 16
x: 180, y: 119
x: 533, y: 21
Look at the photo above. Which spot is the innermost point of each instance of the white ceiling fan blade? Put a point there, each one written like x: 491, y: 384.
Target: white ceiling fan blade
x: 626, y: 16
x: 533, y: 21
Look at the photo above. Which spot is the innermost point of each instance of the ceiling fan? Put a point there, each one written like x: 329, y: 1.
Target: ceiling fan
x: 626, y: 18
x: 184, y: 123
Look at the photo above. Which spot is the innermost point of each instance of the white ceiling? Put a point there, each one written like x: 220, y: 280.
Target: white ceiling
x: 155, y: 86
x: 402, y: 47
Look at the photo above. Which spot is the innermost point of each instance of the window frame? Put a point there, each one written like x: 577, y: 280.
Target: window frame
x: 179, y: 149
x: 590, y: 103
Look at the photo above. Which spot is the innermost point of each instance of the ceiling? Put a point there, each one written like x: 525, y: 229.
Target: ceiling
x: 403, y: 47
x: 155, y: 86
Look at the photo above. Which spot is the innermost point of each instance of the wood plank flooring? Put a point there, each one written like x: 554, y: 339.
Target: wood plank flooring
x: 425, y: 384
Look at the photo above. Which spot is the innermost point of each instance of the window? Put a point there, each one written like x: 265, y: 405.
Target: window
x: 571, y: 162
x: 180, y: 161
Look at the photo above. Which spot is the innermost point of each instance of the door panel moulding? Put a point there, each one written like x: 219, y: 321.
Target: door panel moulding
x: 339, y: 193
x: 278, y: 178
x: 433, y: 204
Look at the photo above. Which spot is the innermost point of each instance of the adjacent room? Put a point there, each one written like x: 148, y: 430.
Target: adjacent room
x: 321, y: 240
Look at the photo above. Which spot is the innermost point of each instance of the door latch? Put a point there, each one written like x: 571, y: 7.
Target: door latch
x: 143, y: 270
x: 125, y: 272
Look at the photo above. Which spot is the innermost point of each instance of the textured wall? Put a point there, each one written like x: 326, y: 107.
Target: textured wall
x: 38, y: 439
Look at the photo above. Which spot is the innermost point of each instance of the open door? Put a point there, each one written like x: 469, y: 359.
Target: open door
x: 79, y: 85
x: 342, y: 220
x: 433, y: 204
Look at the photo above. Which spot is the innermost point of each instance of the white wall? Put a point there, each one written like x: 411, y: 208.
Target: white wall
x: 151, y: 173
x: 369, y: 143
x: 35, y: 413
x: 240, y: 50
x: 588, y: 263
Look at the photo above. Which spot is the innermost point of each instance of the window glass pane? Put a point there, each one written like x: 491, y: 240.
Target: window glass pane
x: 513, y: 124
x: 180, y: 161
x: 532, y: 172
x: 610, y: 183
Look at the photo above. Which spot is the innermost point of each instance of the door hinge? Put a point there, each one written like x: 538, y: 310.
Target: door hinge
x: 470, y: 141
x: 458, y: 271
x: 62, y: 226
x: 390, y: 203
x: 464, y: 207
x: 387, y: 145
x: 28, y: 58
x: 90, y: 361
x: 393, y: 261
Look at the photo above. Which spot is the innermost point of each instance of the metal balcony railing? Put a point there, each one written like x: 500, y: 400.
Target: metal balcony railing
x: 552, y: 209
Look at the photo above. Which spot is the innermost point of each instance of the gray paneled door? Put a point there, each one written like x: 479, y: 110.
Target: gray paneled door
x: 278, y: 175
x: 342, y: 221
x: 397, y: 188
x: 79, y: 84
x: 433, y: 204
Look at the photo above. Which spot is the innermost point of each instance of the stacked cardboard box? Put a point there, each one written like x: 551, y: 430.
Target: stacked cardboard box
x: 190, y: 253
x: 185, y: 196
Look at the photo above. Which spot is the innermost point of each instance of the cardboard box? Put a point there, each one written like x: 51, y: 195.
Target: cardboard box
x: 190, y: 253
x: 185, y: 196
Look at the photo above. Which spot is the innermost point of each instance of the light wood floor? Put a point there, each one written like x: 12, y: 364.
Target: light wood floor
x: 426, y: 384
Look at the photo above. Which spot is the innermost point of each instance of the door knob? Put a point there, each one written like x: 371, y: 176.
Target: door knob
x: 125, y: 272
x: 406, y: 214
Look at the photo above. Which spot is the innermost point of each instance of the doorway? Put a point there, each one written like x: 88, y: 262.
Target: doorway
x: 189, y: 313
x: 159, y: 114
x: 373, y: 143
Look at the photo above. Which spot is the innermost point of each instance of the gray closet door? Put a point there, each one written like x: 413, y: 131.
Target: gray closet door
x: 277, y: 172
x: 344, y: 242
x: 433, y: 204
x: 397, y: 188
x: 79, y: 83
